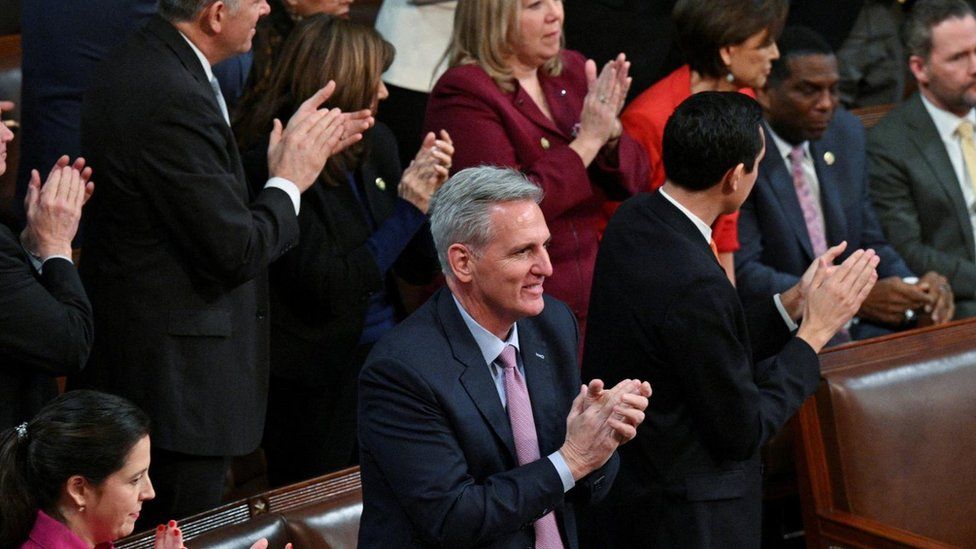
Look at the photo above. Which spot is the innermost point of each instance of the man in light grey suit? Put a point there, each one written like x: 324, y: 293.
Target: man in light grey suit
x: 922, y: 184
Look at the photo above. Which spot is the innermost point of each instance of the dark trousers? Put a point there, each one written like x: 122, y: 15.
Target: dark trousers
x: 184, y: 485
x: 311, y: 430
x: 403, y: 111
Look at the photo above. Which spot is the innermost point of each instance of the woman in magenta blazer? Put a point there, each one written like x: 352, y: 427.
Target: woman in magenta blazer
x: 513, y: 97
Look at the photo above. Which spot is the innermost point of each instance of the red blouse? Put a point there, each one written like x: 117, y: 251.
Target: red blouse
x: 644, y: 119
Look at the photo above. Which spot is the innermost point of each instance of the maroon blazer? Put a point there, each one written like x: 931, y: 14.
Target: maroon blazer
x: 490, y: 126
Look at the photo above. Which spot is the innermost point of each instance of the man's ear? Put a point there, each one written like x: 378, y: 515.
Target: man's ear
x: 731, y: 179
x: 213, y: 17
x: 919, y: 69
x: 461, y: 261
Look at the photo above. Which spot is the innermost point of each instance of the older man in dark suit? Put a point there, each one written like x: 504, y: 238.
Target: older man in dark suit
x: 177, y: 246
x: 45, y: 316
x: 921, y: 157
x: 812, y: 193
x: 665, y: 310
x: 463, y: 425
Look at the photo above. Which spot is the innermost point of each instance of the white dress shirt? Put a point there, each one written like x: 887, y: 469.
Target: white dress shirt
x: 946, y: 124
x: 491, y: 347
x: 275, y: 182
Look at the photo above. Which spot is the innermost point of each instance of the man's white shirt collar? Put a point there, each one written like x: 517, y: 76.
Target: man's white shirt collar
x: 785, y: 149
x: 203, y: 59
x: 488, y: 343
x: 946, y: 122
x: 706, y: 231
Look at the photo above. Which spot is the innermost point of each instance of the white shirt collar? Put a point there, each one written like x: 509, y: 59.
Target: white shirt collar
x: 488, y: 343
x: 785, y: 148
x: 945, y: 121
x: 706, y: 231
x: 201, y: 57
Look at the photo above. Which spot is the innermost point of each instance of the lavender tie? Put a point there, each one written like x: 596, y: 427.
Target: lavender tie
x: 815, y: 225
x: 526, y: 440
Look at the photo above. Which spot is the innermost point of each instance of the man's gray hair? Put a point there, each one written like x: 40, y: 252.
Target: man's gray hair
x: 925, y: 15
x: 177, y: 11
x: 460, y: 209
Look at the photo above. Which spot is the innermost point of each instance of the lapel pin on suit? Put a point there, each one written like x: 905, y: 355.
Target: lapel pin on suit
x: 543, y: 357
x: 829, y: 158
x: 545, y: 144
x: 380, y: 184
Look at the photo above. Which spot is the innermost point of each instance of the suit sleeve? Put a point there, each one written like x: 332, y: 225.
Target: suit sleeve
x: 755, y: 280
x: 45, y: 322
x: 873, y: 237
x: 737, y: 408
x: 189, y: 178
x: 481, y: 137
x: 893, y: 197
x: 417, y: 454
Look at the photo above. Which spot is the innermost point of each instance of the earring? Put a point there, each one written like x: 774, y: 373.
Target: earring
x: 81, y: 508
x: 729, y: 78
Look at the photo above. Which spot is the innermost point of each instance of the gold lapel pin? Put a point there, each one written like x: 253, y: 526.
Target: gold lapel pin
x: 380, y: 183
x: 829, y: 158
x: 545, y: 144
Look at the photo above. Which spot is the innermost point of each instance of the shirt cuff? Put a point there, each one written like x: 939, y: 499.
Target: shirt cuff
x: 782, y: 312
x: 290, y: 188
x: 564, y: 473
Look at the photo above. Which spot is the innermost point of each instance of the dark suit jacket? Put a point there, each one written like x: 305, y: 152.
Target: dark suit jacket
x: 437, y: 451
x: 664, y: 311
x: 493, y: 127
x: 918, y: 200
x: 177, y: 251
x: 776, y: 248
x: 45, y: 329
x: 321, y: 288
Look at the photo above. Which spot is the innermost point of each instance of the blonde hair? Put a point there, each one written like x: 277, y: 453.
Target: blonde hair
x: 484, y: 32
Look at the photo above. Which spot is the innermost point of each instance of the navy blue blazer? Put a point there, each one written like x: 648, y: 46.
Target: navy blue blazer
x: 775, y: 247
x: 725, y: 378
x: 437, y: 451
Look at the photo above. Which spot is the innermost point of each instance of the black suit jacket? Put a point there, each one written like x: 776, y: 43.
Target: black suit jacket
x: 45, y: 329
x: 918, y: 200
x: 321, y: 288
x: 776, y: 247
x: 666, y: 313
x: 437, y: 450
x: 177, y: 249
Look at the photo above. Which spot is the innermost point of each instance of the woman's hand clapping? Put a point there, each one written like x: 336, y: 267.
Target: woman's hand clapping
x: 427, y: 171
x: 599, y: 122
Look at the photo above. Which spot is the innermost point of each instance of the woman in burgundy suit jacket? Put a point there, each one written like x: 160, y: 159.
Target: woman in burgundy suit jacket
x: 513, y: 97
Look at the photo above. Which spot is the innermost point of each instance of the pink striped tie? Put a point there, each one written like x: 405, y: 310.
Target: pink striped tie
x: 814, y: 222
x: 815, y: 225
x: 526, y: 440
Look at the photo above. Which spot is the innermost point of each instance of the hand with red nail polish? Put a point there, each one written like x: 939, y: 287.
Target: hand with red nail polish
x: 168, y: 537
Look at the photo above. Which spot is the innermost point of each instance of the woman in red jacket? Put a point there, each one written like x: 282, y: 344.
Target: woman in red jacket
x: 513, y: 97
x: 730, y: 45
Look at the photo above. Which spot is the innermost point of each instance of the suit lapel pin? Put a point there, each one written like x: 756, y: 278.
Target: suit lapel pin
x: 380, y: 184
x: 829, y: 158
x: 543, y: 357
x: 545, y: 144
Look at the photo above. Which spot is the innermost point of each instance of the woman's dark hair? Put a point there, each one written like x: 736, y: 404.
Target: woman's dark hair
x: 321, y: 48
x: 83, y: 433
x: 709, y: 134
x: 706, y: 26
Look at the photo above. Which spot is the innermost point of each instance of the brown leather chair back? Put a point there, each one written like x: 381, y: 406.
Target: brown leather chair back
x: 888, y: 443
